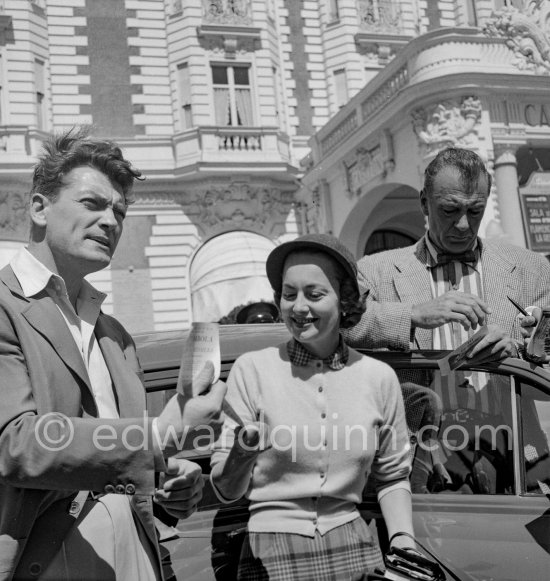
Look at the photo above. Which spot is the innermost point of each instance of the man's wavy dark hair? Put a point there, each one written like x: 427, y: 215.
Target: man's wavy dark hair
x: 468, y: 163
x: 75, y: 148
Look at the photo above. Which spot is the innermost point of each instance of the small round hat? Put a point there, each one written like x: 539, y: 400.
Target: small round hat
x: 319, y: 242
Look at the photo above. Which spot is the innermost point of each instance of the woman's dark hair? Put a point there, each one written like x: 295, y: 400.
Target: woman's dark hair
x: 351, y: 303
x: 75, y: 148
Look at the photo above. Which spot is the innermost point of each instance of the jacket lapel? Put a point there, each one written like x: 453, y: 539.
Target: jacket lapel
x: 43, y: 315
x: 500, y: 279
x: 128, y: 388
x: 412, y: 286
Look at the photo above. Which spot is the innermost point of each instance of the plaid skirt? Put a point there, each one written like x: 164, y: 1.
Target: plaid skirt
x: 345, y: 553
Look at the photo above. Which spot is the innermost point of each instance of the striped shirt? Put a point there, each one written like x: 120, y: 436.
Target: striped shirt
x: 459, y: 389
x: 459, y: 276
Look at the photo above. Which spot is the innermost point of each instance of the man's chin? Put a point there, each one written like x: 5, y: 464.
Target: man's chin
x: 459, y: 246
x: 95, y: 262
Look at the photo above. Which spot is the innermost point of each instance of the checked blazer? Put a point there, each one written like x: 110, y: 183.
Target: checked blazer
x: 398, y: 279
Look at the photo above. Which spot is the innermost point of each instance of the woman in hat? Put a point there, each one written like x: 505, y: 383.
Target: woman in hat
x: 307, y: 422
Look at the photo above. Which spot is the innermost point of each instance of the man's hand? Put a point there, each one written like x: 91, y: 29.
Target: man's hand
x: 453, y: 306
x: 494, y: 346
x: 528, y: 324
x: 189, y: 422
x: 182, y: 488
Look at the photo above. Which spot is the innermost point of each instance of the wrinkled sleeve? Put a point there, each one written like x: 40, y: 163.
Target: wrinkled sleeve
x: 55, y: 452
x: 384, y: 324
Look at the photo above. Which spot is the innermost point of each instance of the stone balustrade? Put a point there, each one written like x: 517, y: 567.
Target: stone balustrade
x: 425, y: 60
x: 243, y: 144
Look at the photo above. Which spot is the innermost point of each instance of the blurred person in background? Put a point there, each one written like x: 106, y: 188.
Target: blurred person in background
x: 260, y: 312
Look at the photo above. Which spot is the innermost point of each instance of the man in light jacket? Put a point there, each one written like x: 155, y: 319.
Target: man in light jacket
x: 78, y: 456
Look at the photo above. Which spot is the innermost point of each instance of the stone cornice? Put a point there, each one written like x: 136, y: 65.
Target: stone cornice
x: 455, y: 62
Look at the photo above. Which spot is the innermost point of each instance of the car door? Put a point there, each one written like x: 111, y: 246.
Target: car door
x: 479, y: 445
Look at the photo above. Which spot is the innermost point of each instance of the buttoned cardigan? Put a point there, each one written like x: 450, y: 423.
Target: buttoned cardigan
x: 327, y: 429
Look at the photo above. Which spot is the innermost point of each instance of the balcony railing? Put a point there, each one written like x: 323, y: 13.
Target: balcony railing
x: 239, y: 139
x: 236, y: 144
x: 228, y: 12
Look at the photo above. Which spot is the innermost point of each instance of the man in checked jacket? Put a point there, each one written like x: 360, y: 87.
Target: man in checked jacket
x: 429, y: 295
x: 437, y: 293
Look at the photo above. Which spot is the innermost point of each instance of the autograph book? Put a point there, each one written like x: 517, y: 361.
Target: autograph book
x: 459, y: 356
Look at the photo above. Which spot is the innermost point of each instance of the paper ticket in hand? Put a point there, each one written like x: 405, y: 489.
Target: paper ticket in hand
x: 457, y: 357
x: 536, y: 346
x: 202, y: 345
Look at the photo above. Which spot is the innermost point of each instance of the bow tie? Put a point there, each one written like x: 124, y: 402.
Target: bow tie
x: 469, y: 256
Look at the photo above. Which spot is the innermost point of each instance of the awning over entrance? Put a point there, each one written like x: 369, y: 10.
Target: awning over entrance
x: 229, y: 270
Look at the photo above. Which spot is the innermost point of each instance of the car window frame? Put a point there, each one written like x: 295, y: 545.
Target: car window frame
x: 520, y: 434
x: 159, y: 379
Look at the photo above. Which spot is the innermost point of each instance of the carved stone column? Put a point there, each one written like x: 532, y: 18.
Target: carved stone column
x: 506, y: 183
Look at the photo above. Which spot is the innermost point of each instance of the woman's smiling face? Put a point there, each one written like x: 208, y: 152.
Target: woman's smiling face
x: 310, y: 301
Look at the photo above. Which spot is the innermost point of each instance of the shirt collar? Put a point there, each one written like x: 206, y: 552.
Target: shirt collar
x: 432, y: 251
x: 301, y: 357
x: 34, y: 277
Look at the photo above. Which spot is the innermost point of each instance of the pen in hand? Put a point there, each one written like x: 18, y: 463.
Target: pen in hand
x: 518, y: 307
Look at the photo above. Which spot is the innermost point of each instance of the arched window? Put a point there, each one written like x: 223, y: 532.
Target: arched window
x: 229, y: 270
x: 386, y: 240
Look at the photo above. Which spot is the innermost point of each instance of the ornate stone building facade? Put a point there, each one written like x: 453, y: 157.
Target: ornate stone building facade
x: 216, y: 101
x: 202, y: 96
x: 474, y: 75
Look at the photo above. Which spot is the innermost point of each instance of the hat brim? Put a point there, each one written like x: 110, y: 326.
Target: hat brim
x: 276, y: 260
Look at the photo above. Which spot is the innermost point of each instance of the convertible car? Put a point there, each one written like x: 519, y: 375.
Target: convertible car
x: 481, y: 464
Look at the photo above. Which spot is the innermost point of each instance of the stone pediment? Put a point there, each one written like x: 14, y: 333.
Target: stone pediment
x: 526, y: 32
x: 261, y: 208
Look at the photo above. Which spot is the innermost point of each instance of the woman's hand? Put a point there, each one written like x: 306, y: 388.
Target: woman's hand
x: 251, y: 439
x: 232, y: 477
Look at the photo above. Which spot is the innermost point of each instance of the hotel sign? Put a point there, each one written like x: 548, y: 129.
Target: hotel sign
x: 535, y: 206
